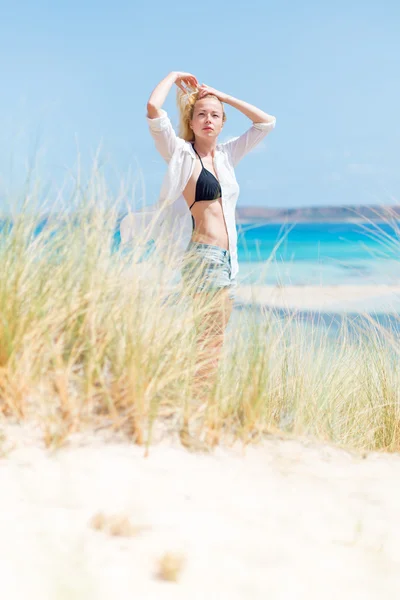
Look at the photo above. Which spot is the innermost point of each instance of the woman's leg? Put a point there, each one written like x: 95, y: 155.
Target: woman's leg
x: 210, y: 328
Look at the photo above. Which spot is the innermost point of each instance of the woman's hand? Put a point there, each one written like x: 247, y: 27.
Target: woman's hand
x: 206, y: 89
x: 185, y: 78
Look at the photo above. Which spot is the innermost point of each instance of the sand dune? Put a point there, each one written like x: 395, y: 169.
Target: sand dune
x: 288, y: 519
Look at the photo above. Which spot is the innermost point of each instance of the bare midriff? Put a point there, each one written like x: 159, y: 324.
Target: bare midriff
x: 210, y: 226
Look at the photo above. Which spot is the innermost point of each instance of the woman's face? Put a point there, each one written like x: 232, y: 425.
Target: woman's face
x: 207, y: 118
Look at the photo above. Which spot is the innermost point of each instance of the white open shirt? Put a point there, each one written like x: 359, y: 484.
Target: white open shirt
x: 169, y: 220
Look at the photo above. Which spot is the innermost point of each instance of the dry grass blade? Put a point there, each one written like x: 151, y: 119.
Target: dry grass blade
x: 94, y: 333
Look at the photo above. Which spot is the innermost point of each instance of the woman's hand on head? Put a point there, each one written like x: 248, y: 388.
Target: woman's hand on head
x: 207, y: 89
x: 185, y: 78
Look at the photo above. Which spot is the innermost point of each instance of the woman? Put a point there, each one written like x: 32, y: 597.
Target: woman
x: 198, y: 199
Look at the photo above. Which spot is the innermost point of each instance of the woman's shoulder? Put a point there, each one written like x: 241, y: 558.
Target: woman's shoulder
x: 183, y: 145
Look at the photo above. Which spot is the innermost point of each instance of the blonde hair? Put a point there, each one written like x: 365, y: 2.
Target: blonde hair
x: 186, y: 102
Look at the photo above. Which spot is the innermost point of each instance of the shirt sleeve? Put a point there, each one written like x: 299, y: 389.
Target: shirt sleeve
x: 163, y: 134
x: 239, y: 146
x: 138, y: 226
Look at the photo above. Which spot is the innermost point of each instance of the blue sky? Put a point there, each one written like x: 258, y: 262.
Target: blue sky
x: 78, y: 74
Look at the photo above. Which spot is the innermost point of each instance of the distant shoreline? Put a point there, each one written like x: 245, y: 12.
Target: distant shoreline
x: 267, y: 215
x: 318, y: 214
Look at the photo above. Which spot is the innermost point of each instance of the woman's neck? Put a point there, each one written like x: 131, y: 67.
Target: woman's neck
x: 205, y: 147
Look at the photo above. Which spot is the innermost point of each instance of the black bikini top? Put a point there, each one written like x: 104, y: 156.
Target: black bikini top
x: 207, y: 185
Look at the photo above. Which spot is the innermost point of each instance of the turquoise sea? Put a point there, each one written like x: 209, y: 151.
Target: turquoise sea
x: 319, y: 253
x: 323, y: 254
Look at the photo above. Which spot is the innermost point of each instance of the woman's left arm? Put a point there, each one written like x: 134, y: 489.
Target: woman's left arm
x: 252, y: 112
x: 255, y: 114
x: 262, y: 124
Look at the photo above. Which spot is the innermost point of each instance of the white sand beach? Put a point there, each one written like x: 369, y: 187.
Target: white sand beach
x: 283, y: 520
x: 334, y: 298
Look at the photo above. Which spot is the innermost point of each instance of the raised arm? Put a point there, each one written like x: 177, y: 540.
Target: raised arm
x: 262, y: 124
x: 160, y: 126
x: 160, y: 92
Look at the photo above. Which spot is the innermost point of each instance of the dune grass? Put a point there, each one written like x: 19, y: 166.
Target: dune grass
x: 93, y: 336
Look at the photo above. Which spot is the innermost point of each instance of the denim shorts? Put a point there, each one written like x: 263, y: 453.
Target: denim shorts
x: 207, y: 268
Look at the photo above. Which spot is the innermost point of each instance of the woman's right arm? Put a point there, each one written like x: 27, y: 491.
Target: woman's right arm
x: 159, y: 94
x: 159, y: 124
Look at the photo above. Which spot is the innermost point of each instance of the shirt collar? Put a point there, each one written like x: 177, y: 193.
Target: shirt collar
x: 189, y: 148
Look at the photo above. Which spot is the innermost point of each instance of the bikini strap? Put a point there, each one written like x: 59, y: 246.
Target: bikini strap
x: 198, y: 155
